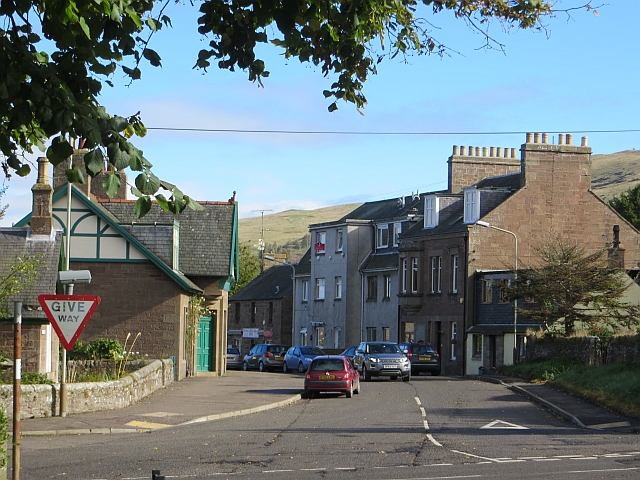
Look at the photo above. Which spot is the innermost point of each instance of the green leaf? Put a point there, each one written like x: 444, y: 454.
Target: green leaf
x: 59, y: 150
x: 94, y: 162
x: 117, y: 157
x: 135, y: 192
x: 333, y: 107
x: 152, y: 56
x: 147, y: 183
x: 74, y: 175
x: 111, y: 184
x: 85, y: 27
x: 163, y: 202
x: 142, y: 206
x: 23, y: 171
x: 192, y: 204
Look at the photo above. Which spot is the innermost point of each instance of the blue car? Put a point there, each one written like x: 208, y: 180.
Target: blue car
x: 300, y: 357
x: 350, y: 352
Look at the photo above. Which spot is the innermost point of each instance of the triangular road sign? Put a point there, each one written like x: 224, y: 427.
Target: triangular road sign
x: 68, y: 314
x: 503, y: 424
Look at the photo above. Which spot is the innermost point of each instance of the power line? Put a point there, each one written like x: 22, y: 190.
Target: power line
x: 333, y: 132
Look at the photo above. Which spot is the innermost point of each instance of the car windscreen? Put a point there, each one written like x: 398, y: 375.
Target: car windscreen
x: 233, y: 351
x: 311, y: 351
x: 384, y: 348
x: 328, y: 364
x: 422, y: 349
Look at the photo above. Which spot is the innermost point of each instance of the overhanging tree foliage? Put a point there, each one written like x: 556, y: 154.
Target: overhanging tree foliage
x: 573, y: 286
x: 55, y: 56
x: 627, y: 204
x: 249, y: 269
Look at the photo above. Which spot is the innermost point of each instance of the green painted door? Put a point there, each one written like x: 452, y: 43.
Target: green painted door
x: 204, y: 344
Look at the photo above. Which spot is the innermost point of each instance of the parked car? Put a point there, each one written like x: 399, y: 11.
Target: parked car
x: 375, y: 359
x: 265, y: 357
x: 424, y: 358
x: 300, y: 357
x: 350, y: 352
x: 332, y: 373
x: 234, y: 359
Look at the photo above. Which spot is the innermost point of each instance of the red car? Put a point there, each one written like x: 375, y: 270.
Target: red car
x: 332, y: 373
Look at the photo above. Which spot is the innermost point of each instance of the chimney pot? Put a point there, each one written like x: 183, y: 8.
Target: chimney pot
x: 485, y: 151
x: 561, y: 139
x: 463, y: 150
x: 569, y: 139
x: 455, y: 150
x: 492, y: 151
x: 545, y: 138
x: 536, y: 137
x: 477, y: 151
x: 529, y: 137
x: 585, y: 141
x: 470, y: 151
x: 513, y: 153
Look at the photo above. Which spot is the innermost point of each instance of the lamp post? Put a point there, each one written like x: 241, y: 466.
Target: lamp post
x: 293, y: 293
x: 515, y: 275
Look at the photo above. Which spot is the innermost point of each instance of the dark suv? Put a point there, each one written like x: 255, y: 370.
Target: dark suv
x: 375, y: 359
x: 264, y: 357
x: 424, y: 358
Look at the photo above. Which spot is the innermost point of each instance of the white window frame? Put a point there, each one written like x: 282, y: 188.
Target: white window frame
x: 320, y: 288
x: 321, y: 239
x: 387, y: 286
x: 436, y: 274
x: 397, y: 230
x: 454, y: 273
x: 431, y: 214
x: 471, y: 205
x: 454, y: 339
x: 338, y: 289
x: 415, y: 274
x: 305, y: 290
x: 339, y: 240
x: 382, y: 230
x: 404, y: 272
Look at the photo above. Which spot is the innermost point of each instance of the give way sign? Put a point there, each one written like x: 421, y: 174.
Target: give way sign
x: 68, y: 314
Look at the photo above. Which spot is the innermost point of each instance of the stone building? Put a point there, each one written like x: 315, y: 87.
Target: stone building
x: 469, y: 236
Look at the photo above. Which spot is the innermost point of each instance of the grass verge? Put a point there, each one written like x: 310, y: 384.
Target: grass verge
x: 615, y: 387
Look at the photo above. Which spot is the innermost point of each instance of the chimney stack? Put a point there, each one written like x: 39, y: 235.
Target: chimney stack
x: 41, y: 211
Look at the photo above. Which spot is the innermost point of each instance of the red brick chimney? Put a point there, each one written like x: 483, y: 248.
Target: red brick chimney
x: 467, y: 167
x: 41, y: 213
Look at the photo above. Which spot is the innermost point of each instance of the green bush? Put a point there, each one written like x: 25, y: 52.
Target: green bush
x: 32, y: 378
x: 4, y: 437
x: 540, y: 370
x: 78, y: 352
x: 104, y: 349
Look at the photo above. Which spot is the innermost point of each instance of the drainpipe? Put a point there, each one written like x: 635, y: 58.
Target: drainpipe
x: 464, y: 305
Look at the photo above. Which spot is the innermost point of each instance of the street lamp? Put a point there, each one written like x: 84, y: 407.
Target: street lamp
x: 293, y: 302
x: 515, y: 274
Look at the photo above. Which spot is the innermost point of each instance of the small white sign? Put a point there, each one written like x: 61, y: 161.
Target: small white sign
x: 250, y: 333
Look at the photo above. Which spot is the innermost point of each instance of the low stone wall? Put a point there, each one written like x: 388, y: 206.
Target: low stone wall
x: 44, y: 400
x: 621, y: 349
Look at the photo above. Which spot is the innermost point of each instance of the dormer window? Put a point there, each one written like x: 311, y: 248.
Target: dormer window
x: 471, y: 205
x: 430, y: 211
x: 397, y: 230
x: 383, y: 236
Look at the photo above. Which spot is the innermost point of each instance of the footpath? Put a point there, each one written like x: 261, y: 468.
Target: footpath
x: 207, y: 397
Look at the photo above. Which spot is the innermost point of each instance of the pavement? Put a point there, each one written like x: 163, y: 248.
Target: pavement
x: 208, y: 397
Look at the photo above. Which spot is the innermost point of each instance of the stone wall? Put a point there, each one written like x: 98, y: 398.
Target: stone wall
x: 621, y: 349
x: 44, y: 400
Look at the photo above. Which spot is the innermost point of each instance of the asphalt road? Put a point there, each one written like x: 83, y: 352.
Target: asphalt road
x: 429, y: 428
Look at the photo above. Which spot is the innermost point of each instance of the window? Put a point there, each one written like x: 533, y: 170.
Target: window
x: 477, y: 345
x: 386, y: 334
x: 403, y: 287
x: 504, y: 294
x: 397, y: 230
x: 430, y: 211
x: 383, y: 236
x: 414, y: 275
x: 454, y: 273
x: 372, y: 288
x: 454, y: 339
x: 339, y: 241
x: 471, y: 205
x: 338, y: 287
x: 305, y: 290
x: 487, y: 291
x: 387, y: 286
x: 321, y: 240
x: 371, y: 334
x: 436, y: 274
x: 253, y: 312
x: 319, y: 288
x: 319, y: 336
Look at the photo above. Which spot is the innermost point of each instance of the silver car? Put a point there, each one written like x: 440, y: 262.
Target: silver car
x: 376, y: 359
x: 234, y: 359
x: 265, y: 357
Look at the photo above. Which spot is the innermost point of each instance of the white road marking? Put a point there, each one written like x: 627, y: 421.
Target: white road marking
x: 605, y: 470
x: 417, y: 400
x: 476, y: 456
x: 426, y: 424
x: 433, y: 440
x: 422, y: 410
x: 502, y: 424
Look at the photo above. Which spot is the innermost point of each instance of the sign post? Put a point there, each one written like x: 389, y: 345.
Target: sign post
x: 69, y: 314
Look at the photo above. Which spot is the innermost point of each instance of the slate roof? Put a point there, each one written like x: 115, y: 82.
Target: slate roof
x: 386, y: 209
x: 18, y: 242
x: 510, y: 182
x: 303, y: 267
x: 275, y: 283
x: 381, y: 261
x: 206, y: 237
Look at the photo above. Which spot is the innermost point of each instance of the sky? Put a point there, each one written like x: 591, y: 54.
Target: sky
x: 580, y: 75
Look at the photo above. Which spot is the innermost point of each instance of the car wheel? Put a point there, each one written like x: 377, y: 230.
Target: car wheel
x: 245, y: 366
x: 407, y: 377
x: 349, y: 393
x: 301, y: 367
x: 285, y: 368
x: 394, y: 377
x: 436, y: 373
x: 305, y: 394
x: 261, y: 367
x: 357, y: 390
x: 366, y: 374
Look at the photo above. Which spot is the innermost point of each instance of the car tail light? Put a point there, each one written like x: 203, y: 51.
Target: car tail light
x: 308, y: 376
x: 409, y: 353
x: 268, y: 354
x: 437, y: 356
x: 346, y: 376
